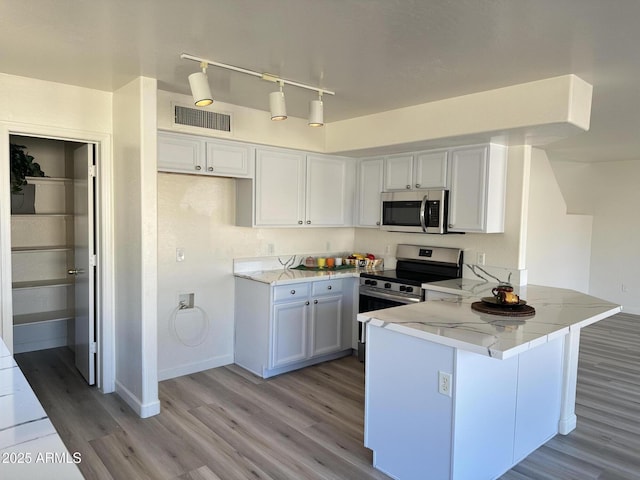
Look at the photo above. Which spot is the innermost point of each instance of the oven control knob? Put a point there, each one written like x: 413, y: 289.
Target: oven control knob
x: 374, y: 283
x: 367, y: 282
x: 403, y: 288
x: 409, y: 289
x: 387, y: 285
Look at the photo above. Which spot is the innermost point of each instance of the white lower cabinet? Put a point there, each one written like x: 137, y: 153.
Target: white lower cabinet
x: 290, y: 332
x: 286, y: 327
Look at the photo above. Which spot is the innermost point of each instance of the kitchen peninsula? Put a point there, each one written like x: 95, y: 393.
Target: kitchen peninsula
x: 451, y: 393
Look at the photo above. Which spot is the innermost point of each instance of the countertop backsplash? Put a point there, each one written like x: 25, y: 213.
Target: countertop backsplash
x: 494, y: 274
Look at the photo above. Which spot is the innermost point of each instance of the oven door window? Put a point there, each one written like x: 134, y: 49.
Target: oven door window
x: 369, y: 304
x: 403, y: 214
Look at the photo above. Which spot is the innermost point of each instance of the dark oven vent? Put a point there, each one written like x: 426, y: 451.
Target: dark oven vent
x: 202, y: 118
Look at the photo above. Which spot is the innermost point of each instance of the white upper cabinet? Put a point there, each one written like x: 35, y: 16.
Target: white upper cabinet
x: 327, y: 190
x: 181, y: 153
x: 228, y: 158
x: 398, y: 172
x: 295, y: 189
x: 370, y: 185
x: 430, y: 169
x: 279, y: 188
x: 416, y: 171
x: 477, y: 189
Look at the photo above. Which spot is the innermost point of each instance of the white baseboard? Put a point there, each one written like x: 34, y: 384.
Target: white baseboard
x: 194, y: 367
x: 144, y: 410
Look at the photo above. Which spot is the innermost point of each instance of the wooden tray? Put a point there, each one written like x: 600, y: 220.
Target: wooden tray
x: 504, y: 310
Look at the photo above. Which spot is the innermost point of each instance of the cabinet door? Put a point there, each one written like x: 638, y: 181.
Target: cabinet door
x: 370, y: 185
x: 229, y: 159
x: 289, y: 333
x: 430, y: 170
x: 326, y: 202
x: 279, y: 188
x: 180, y: 153
x: 467, y: 200
x: 398, y: 172
x: 326, y: 325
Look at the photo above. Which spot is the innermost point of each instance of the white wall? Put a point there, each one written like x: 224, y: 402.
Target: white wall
x: 247, y: 125
x: 609, y: 191
x: 135, y: 197
x: 558, y: 244
x: 562, y: 103
x: 197, y: 214
x: 615, y: 255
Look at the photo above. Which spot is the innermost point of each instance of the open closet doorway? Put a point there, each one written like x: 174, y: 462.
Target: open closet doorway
x: 54, y: 251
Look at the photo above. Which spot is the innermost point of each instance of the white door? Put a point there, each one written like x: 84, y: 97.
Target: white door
x: 84, y: 268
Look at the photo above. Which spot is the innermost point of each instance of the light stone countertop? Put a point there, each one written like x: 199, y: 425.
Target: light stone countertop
x: 30, y: 447
x: 452, y: 322
x: 289, y: 276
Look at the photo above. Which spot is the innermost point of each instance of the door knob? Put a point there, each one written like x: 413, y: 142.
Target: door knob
x: 75, y: 271
x: 198, y: 167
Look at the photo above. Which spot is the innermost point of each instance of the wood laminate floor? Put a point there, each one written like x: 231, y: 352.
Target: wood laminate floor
x: 228, y: 424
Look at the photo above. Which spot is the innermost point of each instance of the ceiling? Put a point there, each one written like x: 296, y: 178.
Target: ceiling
x: 376, y: 55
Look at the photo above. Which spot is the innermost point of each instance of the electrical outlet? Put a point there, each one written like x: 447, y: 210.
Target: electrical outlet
x: 179, y: 254
x: 624, y: 288
x: 328, y: 246
x: 444, y: 383
x: 270, y: 248
x: 387, y: 249
x: 480, y: 258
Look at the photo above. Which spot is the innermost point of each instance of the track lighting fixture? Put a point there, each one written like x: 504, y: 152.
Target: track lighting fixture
x: 277, y: 105
x: 200, y: 87
x: 316, y: 112
x: 202, y: 94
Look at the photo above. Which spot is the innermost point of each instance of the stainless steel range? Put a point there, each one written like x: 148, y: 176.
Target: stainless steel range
x: 416, y: 264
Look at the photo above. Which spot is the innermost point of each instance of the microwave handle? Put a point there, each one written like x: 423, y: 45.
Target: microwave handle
x: 424, y: 213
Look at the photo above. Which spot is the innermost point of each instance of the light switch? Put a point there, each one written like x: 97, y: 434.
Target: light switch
x: 179, y: 254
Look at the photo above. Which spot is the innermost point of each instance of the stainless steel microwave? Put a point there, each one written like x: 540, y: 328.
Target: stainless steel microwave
x: 424, y: 211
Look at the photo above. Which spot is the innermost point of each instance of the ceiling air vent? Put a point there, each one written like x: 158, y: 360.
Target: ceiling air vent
x: 202, y: 118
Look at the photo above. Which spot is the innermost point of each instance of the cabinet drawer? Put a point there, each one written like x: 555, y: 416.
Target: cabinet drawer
x: 326, y: 287
x: 294, y: 291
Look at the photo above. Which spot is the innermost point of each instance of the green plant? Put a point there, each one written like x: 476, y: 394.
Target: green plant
x: 22, y: 165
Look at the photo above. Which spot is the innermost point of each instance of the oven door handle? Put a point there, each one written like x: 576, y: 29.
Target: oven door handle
x: 389, y: 296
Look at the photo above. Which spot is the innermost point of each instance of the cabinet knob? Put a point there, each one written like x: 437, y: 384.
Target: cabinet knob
x: 329, y: 287
x: 210, y: 169
x: 451, y: 225
x: 408, y: 187
x: 293, y: 292
x: 307, y: 302
x: 198, y: 167
x: 315, y: 301
x: 417, y: 185
x: 378, y: 223
x: 308, y: 222
x: 75, y: 271
x: 300, y: 222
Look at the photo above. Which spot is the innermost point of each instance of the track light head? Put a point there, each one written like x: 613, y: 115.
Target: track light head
x: 277, y: 105
x: 200, y: 90
x: 316, y: 112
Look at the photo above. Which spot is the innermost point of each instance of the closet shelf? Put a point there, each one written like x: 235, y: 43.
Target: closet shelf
x: 60, y: 282
x: 32, y: 215
x: 47, y: 248
x: 45, y: 180
x: 43, y: 317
